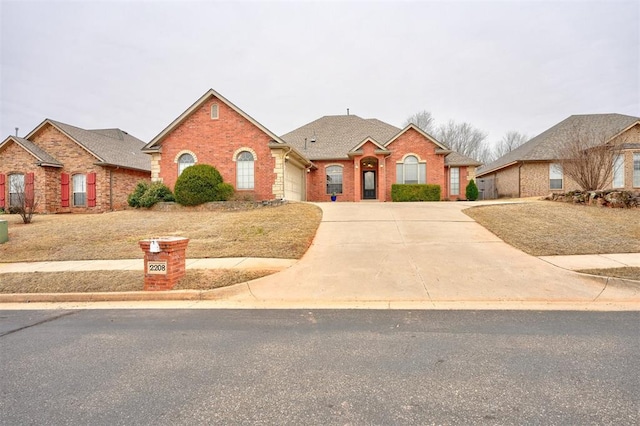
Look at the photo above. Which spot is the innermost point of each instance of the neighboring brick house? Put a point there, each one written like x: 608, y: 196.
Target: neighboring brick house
x: 532, y: 169
x: 69, y: 169
x: 360, y: 159
x: 214, y: 131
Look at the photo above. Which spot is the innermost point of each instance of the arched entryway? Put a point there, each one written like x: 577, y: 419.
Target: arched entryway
x: 369, y: 167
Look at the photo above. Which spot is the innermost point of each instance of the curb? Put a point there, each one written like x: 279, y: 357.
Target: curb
x: 128, y: 296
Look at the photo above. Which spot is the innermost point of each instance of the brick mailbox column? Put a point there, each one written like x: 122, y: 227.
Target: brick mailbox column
x: 164, y: 262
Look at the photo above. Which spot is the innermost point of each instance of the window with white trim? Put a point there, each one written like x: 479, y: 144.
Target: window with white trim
x: 184, y: 161
x: 636, y: 169
x: 411, y: 170
x: 556, y: 176
x: 454, y: 178
x: 214, y: 111
x: 16, y: 189
x: 618, y: 171
x: 245, y: 170
x: 79, y: 190
x: 334, y: 179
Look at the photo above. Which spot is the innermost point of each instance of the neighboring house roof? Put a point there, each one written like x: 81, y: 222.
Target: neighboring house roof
x: 44, y: 159
x: 111, y: 147
x: 544, y: 146
x: 456, y: 159
x: 155, y: 143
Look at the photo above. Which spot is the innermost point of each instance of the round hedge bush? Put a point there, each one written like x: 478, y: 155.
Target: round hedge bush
x: 200, y: 184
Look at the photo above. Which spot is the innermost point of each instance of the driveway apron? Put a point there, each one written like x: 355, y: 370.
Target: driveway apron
x: 421, y: 252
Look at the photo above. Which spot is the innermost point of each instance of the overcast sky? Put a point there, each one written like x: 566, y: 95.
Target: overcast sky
x: 138, y: 65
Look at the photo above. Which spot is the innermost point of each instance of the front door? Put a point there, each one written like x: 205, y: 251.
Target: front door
x: 369, y: 185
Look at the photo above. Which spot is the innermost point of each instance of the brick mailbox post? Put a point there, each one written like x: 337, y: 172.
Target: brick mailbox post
x: 164, y: 261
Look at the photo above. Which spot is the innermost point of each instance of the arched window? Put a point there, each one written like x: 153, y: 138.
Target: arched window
x: 411, y: 170
x: 334, y: 180
x: 184, y: 161
x: 244, y: 170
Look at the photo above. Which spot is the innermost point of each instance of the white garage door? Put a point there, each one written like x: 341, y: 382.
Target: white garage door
x: 293, y: 182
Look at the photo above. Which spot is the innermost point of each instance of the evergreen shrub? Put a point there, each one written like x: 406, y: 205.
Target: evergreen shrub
x: 415, y: 192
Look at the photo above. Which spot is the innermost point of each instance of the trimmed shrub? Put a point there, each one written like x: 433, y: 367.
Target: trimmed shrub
x: 225, y: 191
x: 199, y: 184
x: 145, y: 195
x: 134, y: 197
x: 471, y: 191
x: 415, y: 192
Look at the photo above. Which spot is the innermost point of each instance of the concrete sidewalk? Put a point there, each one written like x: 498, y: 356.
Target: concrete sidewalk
x: 571, y: 263
x: 247, y: 263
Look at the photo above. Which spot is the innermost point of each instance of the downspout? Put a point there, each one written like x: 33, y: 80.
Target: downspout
x: 110, y: 189
x: 520, y: 179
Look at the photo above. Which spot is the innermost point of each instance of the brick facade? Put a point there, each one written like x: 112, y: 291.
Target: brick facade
x: 384, y: 164
x: 217, y: 141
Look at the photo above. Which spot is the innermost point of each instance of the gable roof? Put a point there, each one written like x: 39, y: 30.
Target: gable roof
x: 335, y: 136
x: 154, y: 145
x: 544, y: 146
x: 111, y: 147
x: 412, y: 126
x: 44, y: 158
x: 455, y: 159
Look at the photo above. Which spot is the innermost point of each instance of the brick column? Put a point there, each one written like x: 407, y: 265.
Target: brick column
x: 163, y: 269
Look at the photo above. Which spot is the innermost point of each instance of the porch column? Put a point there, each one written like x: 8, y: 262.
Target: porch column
x: 382, y: 178
x: 357, y: 180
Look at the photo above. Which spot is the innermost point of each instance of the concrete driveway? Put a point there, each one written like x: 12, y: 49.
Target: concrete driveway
x: 422, y: 252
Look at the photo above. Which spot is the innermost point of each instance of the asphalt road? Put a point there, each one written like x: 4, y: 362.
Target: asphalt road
x: 168, y: 367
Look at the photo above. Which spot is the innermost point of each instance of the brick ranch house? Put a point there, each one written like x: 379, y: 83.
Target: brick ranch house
x: 68, y: 169
x: 359, y: 159
x: 356, y: 158
x: 532, y: 169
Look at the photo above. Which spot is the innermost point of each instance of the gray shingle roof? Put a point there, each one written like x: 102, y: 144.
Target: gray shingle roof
x: 110, y: 146
x: 544, y: 146
x: 456, y: 159
x: 336, y: 135
x: 41, y: 155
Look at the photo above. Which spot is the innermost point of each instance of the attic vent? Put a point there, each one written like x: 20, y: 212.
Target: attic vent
x: 214, y: 111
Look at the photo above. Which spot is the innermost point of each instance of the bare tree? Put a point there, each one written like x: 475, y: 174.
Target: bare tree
x: 464, y: 139
x: 23, y: 201
x: 424, y: 120
x: 510, y: 141
x: 588, y: 157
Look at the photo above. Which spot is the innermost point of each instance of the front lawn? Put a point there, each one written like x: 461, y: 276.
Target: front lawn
x: 546, y: 228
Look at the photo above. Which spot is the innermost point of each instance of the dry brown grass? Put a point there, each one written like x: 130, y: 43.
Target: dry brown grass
x: 546, y: 228
x: 283, y: 232
x: 109, y: 281
x: 629, y: 273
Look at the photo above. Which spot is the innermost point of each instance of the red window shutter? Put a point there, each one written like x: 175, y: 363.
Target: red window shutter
x: 29, y: 193
x: 64, y: 189
x: 91, y: 190
x: 3, y: 190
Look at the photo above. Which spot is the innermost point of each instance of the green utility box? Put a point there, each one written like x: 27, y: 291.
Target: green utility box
x: 4, y: 231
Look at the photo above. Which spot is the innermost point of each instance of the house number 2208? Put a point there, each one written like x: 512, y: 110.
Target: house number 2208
x: 159, y: 268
